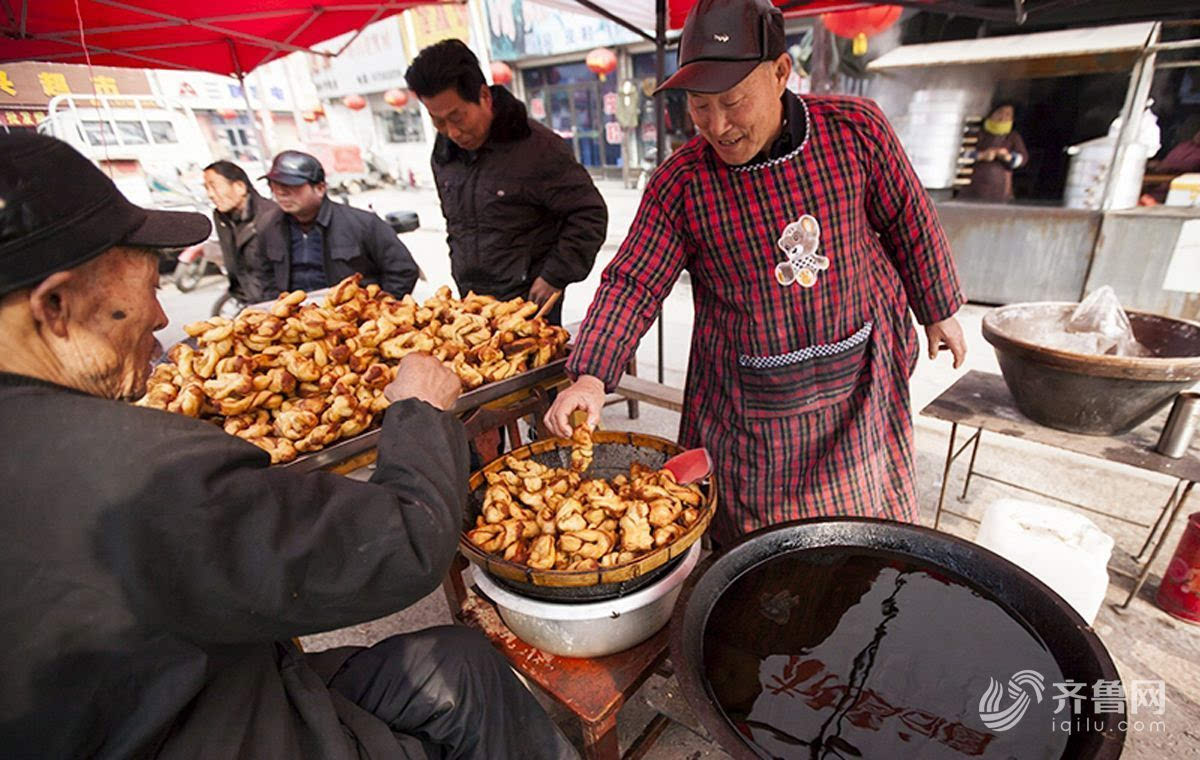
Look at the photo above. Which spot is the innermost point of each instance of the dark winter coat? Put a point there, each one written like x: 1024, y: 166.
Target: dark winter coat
x: 155, y: 570
x: 355, y: 241
x: 519, y: 208
x: 242, y: 246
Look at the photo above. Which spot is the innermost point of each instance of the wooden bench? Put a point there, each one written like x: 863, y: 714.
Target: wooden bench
x: 635, y: 388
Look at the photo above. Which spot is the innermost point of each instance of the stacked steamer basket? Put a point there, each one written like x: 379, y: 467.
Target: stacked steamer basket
x: 602, y: 609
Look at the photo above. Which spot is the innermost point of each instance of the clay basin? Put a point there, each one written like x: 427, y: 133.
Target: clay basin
x: 1089, y: 393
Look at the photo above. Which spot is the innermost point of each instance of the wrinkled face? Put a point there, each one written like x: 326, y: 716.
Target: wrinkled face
x: 467, y: 124
x: 301, y: 201
x: 1002, y: 114
x: 746, y: 118
x: 112, y: 314
x: 223, y: 193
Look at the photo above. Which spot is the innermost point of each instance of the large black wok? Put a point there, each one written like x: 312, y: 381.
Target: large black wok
x: 808, y: 655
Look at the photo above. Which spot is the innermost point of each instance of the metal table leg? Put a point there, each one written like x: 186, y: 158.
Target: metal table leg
x: 1162, y: 513
x: 937, y: 516
x: 971, y: 466
x: 1141, y: 580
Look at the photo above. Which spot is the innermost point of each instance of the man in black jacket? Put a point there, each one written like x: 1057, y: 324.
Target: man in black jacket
x: 316, y: 243
x: 156, y: 569
x: 522, y: 216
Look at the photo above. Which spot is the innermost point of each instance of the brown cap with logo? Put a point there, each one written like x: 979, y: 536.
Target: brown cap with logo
x: 723, y: 41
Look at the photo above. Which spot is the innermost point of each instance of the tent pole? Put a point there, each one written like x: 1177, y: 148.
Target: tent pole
x: 263, y: 149
x: 660, y: 131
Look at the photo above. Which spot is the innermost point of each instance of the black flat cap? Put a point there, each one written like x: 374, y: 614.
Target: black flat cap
x: 291, y: 167
x: 58, y: 210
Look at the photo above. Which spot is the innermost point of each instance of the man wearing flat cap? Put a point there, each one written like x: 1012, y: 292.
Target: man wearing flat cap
x: 316, y: 243
x: 155, y: 570
x: 808, y: 238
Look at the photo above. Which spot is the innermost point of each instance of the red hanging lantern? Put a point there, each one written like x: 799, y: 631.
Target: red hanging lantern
x: 860, y: 24
x: 309, y: 116
x: 318, y: 109
x: 354, y: 102
x: 396, y: 98
x: 227, y: 113
x: 501, y: 73
x: 602, y: 61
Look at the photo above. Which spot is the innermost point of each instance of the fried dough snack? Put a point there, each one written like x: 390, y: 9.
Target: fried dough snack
x: 550, y: 518
x: 299, y: 376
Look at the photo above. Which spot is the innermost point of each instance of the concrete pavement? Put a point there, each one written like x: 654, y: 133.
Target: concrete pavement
x: 1146, y: 644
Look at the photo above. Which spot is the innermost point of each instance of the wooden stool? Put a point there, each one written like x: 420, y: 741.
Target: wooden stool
x: 593, y: 690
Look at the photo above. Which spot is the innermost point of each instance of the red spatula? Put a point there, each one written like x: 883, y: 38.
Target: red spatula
x: 691, y: 466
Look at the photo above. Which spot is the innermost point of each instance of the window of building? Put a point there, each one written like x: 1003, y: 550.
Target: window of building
x: 401, y: 125
x: 572, y: 101
x: 132, y: 133
x: 162, y: 132
x: 94, y: 129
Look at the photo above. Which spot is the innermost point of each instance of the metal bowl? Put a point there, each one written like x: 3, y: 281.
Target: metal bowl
x: 614, y: 452
x: 847, y: 709
x: 592, y: 629
x: 1089, y: 393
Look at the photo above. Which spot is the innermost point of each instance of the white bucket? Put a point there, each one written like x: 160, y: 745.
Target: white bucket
x: 1061, y: 548
x: 590, y: 629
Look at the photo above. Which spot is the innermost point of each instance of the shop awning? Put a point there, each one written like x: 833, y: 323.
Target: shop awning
x: 1111, y: 48
x: 221, y: 36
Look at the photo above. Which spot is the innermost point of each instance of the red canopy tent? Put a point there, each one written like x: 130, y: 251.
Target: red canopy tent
x: 221, y: 36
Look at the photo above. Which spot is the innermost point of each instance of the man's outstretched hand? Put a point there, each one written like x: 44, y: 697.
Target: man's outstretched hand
x: 586, y: 393
x: 423, y: 377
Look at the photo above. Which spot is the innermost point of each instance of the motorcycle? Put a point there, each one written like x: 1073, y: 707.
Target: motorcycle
x: 196, y: 261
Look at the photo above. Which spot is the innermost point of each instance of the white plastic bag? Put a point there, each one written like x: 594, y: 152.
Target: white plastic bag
x: 1099, y: 325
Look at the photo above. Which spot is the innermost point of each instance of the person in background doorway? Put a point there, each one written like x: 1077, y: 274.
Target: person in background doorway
x: 316, y: 242
x: 523, y: 218
x: 239, y: 212
x: 1000, y: 152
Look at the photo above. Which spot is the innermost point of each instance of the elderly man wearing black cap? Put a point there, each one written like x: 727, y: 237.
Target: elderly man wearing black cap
x: 156, y: 569
x: 316, y: 242
x: 808, y: 238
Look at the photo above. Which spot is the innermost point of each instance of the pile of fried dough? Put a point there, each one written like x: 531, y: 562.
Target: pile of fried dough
x: 551, y: 518
x: 297, y: 377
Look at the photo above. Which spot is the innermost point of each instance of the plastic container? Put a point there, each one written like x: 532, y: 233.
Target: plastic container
x: 1185, y: 191
x: 1063, y: 549
x: 590, y: 629
x: 1179, y: 593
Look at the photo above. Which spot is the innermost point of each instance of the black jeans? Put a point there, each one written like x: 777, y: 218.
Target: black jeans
x: 451, y: 690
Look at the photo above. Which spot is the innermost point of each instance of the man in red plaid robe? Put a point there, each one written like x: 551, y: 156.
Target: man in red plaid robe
x: 808, y: 238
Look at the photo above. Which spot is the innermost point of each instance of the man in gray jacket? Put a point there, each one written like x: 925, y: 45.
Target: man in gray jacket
x: 523, y: 218
x: 156, y: 569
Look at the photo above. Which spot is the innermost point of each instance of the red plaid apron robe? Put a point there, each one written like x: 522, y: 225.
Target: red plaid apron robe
x: 801, y: 394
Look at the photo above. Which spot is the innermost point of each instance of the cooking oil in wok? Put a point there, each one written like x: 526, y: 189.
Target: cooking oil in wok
x: 854, y: 653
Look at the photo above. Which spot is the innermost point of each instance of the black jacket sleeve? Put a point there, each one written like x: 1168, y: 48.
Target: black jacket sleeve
x: 397, y: 270
x: 568, y: 193
x: 236, y: 551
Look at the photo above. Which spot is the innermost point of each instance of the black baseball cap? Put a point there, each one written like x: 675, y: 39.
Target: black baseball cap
x: 292, y: 167
x: 58, y: 210
x: 723, y: 41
